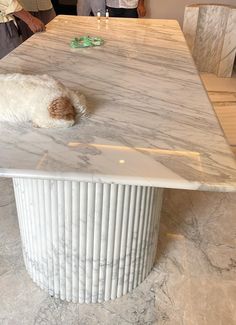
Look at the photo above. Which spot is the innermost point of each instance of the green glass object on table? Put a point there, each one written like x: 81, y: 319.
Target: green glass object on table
x: 86, y: 41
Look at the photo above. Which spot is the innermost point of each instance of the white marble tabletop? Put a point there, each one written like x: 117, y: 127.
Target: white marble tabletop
x: 151, y: 122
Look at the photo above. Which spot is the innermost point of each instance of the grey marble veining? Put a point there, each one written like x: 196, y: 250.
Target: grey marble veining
x: 192, y: 283
x: 151, y: 121
x: 87, y: 242
x: 210, y: 32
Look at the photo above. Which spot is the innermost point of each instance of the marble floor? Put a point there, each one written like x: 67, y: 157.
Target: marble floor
x: 194, y: 278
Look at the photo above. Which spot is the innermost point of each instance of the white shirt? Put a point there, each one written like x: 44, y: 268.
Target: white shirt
x: 127, y: 4
x: 7, y: 8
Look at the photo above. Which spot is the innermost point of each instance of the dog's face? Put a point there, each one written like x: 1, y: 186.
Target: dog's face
x: 61, y: 114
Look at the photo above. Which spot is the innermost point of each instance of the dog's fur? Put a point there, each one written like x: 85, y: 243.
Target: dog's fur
x: 40, y: 99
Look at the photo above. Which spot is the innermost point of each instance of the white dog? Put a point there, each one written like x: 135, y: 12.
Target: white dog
x: 40, y: 99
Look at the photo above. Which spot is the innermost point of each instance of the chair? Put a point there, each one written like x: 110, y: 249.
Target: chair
x: 210, y: 32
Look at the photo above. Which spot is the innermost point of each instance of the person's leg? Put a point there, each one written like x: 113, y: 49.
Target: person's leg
x: 9, y: 38
x: 83, y: 8
x: 98, y: 5
x: 115, y: 12
x: 131, y: 13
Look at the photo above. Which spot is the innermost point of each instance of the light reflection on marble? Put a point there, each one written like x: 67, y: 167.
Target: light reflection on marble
x: 143, y: 92
x: 192, y: 283
x: 222, y: 93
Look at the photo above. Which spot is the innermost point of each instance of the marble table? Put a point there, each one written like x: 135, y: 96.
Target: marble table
x: 89, y: 197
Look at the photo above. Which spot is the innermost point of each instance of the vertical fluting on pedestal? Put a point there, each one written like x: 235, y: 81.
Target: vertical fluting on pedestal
x: 87, y: 242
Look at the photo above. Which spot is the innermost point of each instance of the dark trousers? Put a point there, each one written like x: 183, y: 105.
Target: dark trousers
x: 122, y: 12
x: 9, y: 38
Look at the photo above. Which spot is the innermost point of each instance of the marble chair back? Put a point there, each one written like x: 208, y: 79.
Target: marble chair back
x: 210, y: 32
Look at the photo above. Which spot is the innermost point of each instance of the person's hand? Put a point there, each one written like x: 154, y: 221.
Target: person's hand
x: 141, y: 9
x: 35, y: 24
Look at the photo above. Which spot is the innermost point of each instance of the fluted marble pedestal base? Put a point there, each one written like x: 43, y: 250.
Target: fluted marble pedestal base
x: 87, y: 242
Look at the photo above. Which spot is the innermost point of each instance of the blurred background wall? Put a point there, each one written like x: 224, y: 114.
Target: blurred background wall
x: 174, y: 9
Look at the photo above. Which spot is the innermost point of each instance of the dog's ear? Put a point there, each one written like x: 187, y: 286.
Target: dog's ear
x: 62, y: 109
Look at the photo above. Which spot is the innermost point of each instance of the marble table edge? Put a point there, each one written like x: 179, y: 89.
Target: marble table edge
x: 157, y: 182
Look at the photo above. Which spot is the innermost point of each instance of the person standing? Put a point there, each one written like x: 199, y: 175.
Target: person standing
x: 10, y: 36
x: 41, y: 9
x: 85, y: 7
x: 126, y: 8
